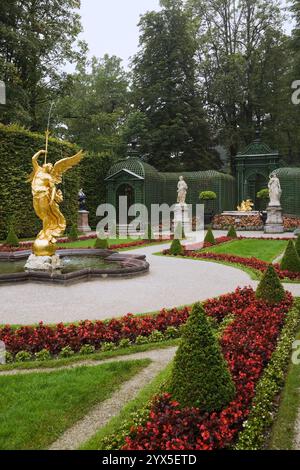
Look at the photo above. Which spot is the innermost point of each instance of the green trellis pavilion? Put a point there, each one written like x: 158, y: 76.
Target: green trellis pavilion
x: 143, y: 184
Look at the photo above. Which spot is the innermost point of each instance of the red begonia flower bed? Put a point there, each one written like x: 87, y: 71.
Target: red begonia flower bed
x: 247, y: 345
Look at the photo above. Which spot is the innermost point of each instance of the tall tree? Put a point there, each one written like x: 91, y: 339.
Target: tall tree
x: 241, y: 59
x: 94, y: 109
x: 36, y: 39
x: 168, y: 116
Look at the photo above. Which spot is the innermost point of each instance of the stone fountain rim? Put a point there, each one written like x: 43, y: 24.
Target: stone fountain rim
x: 132, y: 265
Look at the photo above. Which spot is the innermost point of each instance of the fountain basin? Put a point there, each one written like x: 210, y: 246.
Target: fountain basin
x: 79, y: 265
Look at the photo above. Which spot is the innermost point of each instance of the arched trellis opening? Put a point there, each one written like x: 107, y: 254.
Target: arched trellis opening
x: 254, y: 183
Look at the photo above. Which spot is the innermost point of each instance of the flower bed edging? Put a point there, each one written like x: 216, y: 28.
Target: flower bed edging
x: 269, y: 386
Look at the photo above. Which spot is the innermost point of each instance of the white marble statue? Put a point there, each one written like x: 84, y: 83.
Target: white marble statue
x: 275, y: 190
x: 182, y: 188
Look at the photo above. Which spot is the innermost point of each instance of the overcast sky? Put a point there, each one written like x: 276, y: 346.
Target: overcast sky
x: 110, y: 26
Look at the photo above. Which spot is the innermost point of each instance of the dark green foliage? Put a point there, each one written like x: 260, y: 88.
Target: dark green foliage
x: 17, y: 148
x: 263, y: 194
x: 169, y: 120
x: 12, y: 239
x: 232, y: 232
x: 176, y: 248
x: 207, y: 196
x: 290, y: 260
x: 93, y: 171
x: 200, y: 376
x: 297, y: 245
x: 209, y: 237
x: 270, y: 288
x: 101, y: 244
x: 179, y: 231
x: 73, y: 234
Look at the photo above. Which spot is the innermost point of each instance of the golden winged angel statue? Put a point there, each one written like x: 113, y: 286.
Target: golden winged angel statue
x: 46, y: 200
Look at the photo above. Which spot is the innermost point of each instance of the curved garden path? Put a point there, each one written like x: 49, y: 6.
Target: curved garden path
x: 171, y: 282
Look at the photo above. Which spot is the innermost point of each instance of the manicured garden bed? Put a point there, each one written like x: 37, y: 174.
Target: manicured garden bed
x: 256, y: 346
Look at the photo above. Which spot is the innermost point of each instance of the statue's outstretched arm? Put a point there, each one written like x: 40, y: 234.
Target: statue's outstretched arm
x: 35, y: 158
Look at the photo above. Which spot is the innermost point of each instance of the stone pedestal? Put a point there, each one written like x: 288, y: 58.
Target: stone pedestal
x: 274, y: 222
x: 43, y: 263
x: 83, y: 222
x: 181, y: 214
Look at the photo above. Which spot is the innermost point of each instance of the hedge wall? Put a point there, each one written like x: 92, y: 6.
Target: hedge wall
x: 93, y: 170
x: 17, y: 147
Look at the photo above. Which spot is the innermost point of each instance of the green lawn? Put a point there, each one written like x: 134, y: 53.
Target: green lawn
x: 266, y: 250
x: 283, y: 431
x: 37, y: 408
x: 90, y: 243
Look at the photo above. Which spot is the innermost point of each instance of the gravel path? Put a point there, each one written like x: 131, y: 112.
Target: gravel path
x: 102, y: 413
x: 171, y: 282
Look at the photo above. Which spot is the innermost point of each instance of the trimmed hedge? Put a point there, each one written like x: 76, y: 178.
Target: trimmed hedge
x: 209, y: 237
x: 101, y: 244
x: 200, y: 376
x: 290, y: 261
x: 297, y: 245
x: 17, y: 147
x: 73, y: 234
x: 232, y: 232
x: 12, y: 239
x: 176, y: 248
x: 270, y: 288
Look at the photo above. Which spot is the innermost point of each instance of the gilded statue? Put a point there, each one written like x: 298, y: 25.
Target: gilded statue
x: 246, y: 206
x: 47, y: 198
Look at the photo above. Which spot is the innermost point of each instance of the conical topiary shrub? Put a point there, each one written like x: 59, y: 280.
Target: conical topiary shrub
x: 179, y: 231
x: 200, y: 376
x: 12, y: 239
x: 270, y: 288
x: 209, y: 237
x: 176, y: 248
x: 232, y: 232
x: 101, y: 244
x: 73, y: 234
x: 290, y: 260
x: 297, y: 245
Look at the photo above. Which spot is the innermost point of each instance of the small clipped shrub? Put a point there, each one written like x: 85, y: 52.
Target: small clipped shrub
x: 23, y: 356
x: 73, y: 234
x: 172, y: 332
x: 12, y: 239
x: 179, y: 232
x: 297, y: 245
x: 87, y: 349
x: 209, y: 237
x: 66, y: 352
x: 156, y: 336
x: 263, y: 194
x: 108, y: 347
x: 9, y: 357
x: 101, y: 244
x: 176, y: 248
x: 232, y: 232
x: 124, y: 343
x: 200, y: 376
x: 290, y: 261
x: 43, y: 355
x: 207, y: 196
x: 270, y: 288
x: 141, y: 339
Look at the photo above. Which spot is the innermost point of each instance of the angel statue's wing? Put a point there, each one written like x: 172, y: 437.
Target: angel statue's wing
x: 65, y: 164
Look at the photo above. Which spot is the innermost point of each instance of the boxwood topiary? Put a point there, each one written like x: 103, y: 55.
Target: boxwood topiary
x: 101, y: 244
x: 200, y: 376
x: 209, y: 237
x: 270, y: 288
x: 290, y: 260
x: 176, y: 248
x: 73, y: 234
x: 232, y: 232
x: 12, y: 239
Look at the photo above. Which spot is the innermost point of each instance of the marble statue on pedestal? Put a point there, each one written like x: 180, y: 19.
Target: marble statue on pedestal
x: 182, y: 188
x: 274, y: 222
x: 181, y: 211
x: 275, y: 190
